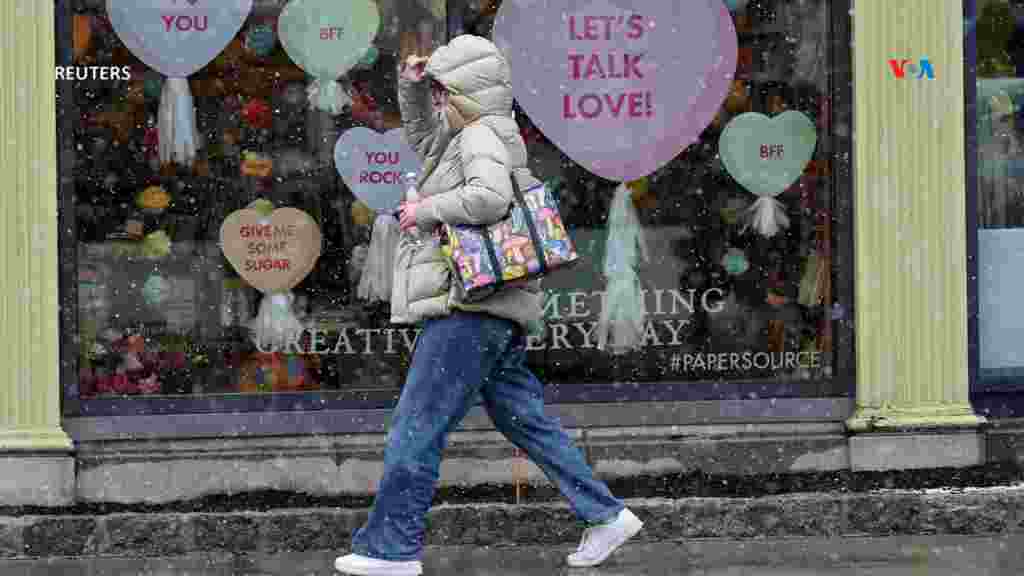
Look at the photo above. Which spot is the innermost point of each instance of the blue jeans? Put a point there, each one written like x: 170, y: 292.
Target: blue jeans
x: 456, y: 358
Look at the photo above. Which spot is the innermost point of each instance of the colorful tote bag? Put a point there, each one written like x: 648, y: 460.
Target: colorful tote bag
x: 529, y: 243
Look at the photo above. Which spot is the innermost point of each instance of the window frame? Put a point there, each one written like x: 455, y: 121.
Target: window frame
x: 992, y: 397
x: 815, y: 399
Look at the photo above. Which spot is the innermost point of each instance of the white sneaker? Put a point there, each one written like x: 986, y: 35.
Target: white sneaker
x: 357, y: 565
x: 600, y: 541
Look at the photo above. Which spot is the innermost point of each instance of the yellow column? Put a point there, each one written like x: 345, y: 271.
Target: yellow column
x: 911, y: 300
x: 29, y: 355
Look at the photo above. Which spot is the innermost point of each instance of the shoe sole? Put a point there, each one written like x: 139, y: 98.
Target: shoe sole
x: 379, y: 571
x: 611, y: 549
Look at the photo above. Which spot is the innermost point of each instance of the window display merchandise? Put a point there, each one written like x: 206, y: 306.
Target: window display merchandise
x: 700, y: 193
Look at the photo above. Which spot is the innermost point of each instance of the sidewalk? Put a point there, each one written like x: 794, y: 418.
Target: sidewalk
x: 894, y: 556
x: 980, y: 511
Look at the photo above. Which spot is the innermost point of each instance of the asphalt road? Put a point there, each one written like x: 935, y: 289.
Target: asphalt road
x: 902, y: 556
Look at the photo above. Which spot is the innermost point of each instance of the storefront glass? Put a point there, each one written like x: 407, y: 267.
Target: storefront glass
x: 158, y: 320
x: 996, y: 55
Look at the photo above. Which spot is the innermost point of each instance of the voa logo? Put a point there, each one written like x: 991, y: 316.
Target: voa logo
x: 905, y: 68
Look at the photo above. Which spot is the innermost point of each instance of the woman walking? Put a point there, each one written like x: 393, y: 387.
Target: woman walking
x: 457, y: 114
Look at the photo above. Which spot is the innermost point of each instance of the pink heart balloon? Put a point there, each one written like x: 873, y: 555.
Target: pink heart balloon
x: 620, y: 86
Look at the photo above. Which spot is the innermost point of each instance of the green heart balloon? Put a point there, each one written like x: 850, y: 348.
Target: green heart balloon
x: 327, y: 38
x: 767, y: 155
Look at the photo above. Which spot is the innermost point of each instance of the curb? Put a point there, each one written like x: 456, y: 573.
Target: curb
x: 988, y: 511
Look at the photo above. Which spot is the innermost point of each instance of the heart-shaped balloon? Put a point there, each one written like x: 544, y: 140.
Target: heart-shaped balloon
x: 372, y: 165
x: 767, y: 155
x: 326, y: 38
x: 177, y: 37
x: 274, y: 252
x: 620, y: 86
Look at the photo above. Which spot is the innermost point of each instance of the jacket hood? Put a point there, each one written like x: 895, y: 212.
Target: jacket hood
x: 476, y: 75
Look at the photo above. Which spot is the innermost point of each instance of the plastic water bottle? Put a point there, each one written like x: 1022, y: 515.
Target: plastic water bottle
x: 411, y: 195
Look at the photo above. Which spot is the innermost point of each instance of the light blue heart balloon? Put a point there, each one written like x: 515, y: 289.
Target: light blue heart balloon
x: 371, y: 164
x: 767, y: 155
x: 326, y: 38
x: 177, y: 38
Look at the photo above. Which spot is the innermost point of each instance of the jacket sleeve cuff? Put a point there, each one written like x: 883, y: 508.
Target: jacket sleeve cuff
x: 414, y: 97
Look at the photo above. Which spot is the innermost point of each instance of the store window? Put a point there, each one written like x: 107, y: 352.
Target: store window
x: 744, y: 312
x: 159, y: 311
x: 996, y: 63
x: 158, y: 319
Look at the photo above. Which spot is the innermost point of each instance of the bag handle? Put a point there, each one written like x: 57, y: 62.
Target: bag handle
x: 534, y: 237
x: 538, y: 247
x: 489, y: 248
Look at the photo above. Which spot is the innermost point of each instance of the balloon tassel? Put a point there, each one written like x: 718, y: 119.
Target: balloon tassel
x: 177, y: 123
x: 768, y: 216
x: 376, y: 279
x: 623, y: 317
x: 276, y: 321
x: 328, y: 97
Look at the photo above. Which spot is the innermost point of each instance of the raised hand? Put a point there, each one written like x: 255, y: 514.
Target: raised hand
x: 414, y: 68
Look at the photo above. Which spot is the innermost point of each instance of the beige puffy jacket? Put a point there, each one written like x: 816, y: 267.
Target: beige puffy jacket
x: 468, y: 153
